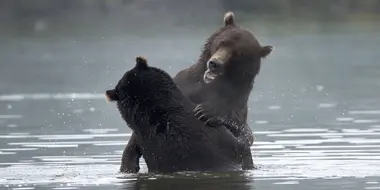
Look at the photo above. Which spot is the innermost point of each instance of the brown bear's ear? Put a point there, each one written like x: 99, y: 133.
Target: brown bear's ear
x: 229, y: 18
x: 111, y: 95
x: 141, y: 63
x: 266, y: 50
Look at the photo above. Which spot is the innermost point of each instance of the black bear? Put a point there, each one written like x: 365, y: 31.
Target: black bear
x: 169, y: 136
x: 220, y: 83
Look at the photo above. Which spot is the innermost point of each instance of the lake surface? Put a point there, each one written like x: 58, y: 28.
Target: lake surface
x: 315, y: 110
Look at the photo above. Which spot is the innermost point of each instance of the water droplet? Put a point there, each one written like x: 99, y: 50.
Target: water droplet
x: 11, y: 125
x: 320, y: 87
x: 261, y: 122
x: 274, y: 107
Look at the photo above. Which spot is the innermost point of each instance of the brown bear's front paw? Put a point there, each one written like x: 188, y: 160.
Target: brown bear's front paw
x: 200, y: 113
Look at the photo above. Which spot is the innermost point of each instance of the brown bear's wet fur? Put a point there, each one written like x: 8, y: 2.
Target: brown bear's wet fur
x: 243, y: 65
x: 235, y: 55
x: 227, y: 95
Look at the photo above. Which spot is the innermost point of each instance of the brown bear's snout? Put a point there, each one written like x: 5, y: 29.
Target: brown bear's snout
x: 215, y: 67
x: 216, y: 63
x: 111, y: 95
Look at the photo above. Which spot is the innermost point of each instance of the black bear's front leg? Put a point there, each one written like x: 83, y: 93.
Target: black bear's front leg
x: 131, y: 156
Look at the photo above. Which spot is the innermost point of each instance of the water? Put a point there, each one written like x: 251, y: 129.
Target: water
x: 315, y: 110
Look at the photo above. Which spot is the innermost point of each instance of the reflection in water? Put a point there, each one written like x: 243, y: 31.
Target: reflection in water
x: 286, y: 157
x: 78, y: 156
x: 189, y: 181
x: 60, y: 96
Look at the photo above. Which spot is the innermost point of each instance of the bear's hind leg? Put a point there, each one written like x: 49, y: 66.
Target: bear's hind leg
x: 247, y: 163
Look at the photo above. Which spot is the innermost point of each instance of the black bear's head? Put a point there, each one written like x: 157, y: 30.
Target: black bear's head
x: 130, y: 83
x: 142, y: 83
x: 143, y: 94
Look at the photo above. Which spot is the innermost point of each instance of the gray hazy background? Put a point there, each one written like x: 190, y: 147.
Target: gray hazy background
x: 41, y: 39
x: 315, y: 107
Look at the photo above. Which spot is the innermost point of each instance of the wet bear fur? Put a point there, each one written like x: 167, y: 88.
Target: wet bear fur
x: 222, y: 79
x: 169, y: 136
x: 220, y: 83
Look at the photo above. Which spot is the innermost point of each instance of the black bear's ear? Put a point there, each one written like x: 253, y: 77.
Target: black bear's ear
x: 266, y: 50
x: 111, y: 95
x: 141, y: 63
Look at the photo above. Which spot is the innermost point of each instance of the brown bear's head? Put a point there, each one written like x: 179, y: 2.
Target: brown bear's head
x: 234, y: 53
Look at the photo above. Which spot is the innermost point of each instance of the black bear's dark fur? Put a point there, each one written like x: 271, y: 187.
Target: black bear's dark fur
x: 220, y: 83
x: 170, y: 137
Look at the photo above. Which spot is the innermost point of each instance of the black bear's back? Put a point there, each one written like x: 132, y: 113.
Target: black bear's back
x: 192, y: 146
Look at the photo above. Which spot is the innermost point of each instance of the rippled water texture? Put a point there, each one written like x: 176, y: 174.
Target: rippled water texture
x: 315, y: 111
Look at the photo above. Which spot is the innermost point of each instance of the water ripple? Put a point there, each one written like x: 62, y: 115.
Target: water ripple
x: 287, y: 156
x: 365, y: 112
x: 59, y: 96
x: 11, y: 116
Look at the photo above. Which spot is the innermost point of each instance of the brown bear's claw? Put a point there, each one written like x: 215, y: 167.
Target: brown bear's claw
x: 200, y: 114
x: 198, y: 111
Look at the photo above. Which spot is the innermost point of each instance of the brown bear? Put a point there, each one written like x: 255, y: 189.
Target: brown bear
x: 220, y: 83
x: 170, y: 137
x: 222, y: 79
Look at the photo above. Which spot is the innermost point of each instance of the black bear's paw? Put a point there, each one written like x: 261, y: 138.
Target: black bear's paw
x: 129, y: 168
